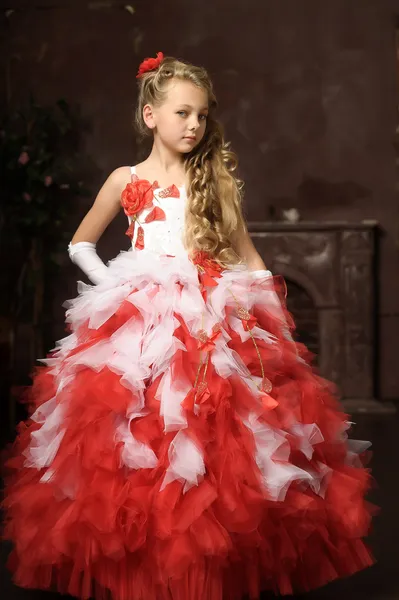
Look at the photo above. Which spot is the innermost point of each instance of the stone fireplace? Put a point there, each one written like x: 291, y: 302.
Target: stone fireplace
x: 330, y: 273
x: 301, y: 304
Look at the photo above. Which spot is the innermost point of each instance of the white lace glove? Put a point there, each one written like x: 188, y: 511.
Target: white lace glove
x: 84, y: 255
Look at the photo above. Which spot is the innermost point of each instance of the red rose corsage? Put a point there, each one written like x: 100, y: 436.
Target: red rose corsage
x: 150, y: 64
x: 138, y: 195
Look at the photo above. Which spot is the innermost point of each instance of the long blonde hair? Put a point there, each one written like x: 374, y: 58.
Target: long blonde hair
x: 214, y: 207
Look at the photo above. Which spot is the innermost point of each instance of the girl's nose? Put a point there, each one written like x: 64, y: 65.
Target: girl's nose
x: 194, y: 124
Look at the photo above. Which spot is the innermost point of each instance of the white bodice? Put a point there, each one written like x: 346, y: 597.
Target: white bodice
x: 164, y: 237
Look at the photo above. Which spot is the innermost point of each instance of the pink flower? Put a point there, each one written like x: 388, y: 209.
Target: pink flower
x: 48, y: 180
x: 27, y: 197
x: 23, y: 158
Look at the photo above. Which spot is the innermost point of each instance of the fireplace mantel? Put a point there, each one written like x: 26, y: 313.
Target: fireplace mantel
x: 270, y: 226
x: 335, y: 263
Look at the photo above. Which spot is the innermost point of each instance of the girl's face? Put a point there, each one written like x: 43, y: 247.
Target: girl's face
x: 180, y: 121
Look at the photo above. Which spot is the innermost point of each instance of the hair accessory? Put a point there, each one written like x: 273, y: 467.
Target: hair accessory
x: 150, y: 64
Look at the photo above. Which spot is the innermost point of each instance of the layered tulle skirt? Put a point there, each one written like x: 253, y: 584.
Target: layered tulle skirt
x: 181, y: 447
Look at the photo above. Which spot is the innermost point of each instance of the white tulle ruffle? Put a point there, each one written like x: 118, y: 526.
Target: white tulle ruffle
x: 141, y: 349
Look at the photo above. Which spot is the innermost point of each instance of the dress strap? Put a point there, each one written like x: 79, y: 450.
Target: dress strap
x: 133, y: 170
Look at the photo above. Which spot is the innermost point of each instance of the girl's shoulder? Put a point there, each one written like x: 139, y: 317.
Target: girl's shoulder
x: 119, y: 178
x: 121, y: 175
x: 114, y: 185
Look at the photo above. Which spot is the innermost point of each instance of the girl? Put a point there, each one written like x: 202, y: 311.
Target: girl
x: 180, y: 446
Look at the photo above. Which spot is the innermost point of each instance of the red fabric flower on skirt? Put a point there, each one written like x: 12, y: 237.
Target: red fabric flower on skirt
x: 209, y: 269
x: 248, y: 320
x: 207, y: 343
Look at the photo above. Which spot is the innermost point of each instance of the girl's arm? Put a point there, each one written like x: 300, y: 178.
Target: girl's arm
x: 246, y: 250
x: 105, y: 207
x: 82, y: 249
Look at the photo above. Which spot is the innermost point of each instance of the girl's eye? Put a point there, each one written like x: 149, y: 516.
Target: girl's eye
x: 203, y: 117
x: 182, y: 113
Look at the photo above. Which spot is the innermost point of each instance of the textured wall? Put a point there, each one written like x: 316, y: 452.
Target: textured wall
x: 307, y: 89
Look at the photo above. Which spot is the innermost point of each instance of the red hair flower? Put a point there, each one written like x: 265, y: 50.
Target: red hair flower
x: 150, y: 64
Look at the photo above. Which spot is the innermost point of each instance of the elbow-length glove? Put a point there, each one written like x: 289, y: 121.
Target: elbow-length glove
x: 84, y: 255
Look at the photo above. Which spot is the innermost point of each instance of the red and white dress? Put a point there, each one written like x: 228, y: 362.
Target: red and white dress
x: 180, y: 447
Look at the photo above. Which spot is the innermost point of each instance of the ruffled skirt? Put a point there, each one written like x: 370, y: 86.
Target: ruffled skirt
x: 180, y: 447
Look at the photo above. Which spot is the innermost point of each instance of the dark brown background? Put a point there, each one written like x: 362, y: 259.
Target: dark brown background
x: 308, y: 91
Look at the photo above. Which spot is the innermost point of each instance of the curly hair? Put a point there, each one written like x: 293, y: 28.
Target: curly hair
x: 214, y: 207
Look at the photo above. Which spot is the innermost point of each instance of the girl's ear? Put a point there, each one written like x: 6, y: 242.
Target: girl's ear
x: 148, y: 116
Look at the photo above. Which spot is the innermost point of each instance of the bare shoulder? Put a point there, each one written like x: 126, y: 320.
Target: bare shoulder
x: 110, y: 193
x: 120, y: 177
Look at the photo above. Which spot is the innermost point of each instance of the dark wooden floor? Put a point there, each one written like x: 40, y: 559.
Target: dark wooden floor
x: 381, y: 582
